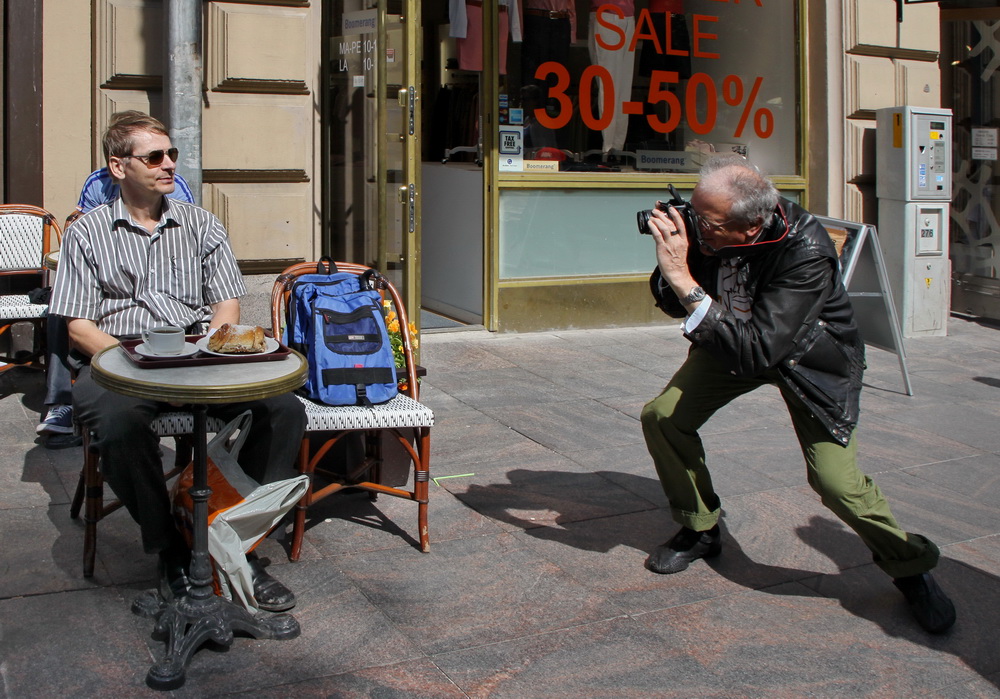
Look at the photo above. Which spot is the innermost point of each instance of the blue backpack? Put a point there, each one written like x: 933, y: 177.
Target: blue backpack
x: 337, y: 321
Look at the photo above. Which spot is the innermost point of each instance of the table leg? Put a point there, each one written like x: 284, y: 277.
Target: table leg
x: 202, y: 615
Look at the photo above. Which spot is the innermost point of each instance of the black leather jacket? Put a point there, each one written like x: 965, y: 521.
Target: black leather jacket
x: 801, y: 326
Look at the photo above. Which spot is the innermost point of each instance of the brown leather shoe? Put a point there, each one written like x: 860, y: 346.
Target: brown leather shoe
x: 686, y: 546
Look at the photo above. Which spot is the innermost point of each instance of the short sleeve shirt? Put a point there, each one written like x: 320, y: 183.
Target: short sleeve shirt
x: 126, y: 279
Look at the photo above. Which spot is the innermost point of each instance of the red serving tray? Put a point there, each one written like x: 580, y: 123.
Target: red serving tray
x: 199, y: 358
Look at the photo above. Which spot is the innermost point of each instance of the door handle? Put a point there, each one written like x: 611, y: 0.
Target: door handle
x: 407, y: 98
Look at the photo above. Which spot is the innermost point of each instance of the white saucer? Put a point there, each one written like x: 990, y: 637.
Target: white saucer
x: 270, y: 345
x: 189, y: 349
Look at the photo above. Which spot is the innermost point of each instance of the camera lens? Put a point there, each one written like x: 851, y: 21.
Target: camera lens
x: 642, y: 219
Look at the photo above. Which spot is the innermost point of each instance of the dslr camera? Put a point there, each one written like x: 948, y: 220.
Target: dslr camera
x: 677, y: 202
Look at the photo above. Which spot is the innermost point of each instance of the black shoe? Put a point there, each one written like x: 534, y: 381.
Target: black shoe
x: 929, y: 604
x: 173, y: 566
x: 271, y: 595
x: 686, y: 546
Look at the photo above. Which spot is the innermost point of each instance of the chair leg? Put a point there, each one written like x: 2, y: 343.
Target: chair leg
x: 81, y: 487
x: 94, y: 498
x: 90, y: 494
x: 373, y: 455
x: 299, y: 527
x: 421, y: 478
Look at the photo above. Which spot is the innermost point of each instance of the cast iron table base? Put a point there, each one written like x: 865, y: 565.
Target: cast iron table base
x: 202, y: 615
x: 188, y: 623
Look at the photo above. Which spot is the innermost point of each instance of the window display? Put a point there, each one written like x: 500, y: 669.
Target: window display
x: 653, y: 85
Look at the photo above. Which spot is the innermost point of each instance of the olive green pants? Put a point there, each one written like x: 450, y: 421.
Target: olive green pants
x: 670, y: 423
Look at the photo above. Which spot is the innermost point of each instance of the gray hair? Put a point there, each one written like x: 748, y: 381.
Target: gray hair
x: 753, y: 196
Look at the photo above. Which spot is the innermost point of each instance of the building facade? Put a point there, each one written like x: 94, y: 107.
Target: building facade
x: 490, y: 156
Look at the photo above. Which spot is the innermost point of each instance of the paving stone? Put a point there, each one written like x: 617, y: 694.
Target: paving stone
x: 569, y: 425
x: 83, y: 644
x: 28, y: 478
x: 416, y: 679
x: 472, y: 592
x: 548, y: 493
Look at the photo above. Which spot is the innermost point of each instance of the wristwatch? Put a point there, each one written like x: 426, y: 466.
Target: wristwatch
x: 694, y: 296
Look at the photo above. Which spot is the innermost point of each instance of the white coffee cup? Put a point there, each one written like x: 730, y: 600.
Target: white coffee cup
x: 164, y: 339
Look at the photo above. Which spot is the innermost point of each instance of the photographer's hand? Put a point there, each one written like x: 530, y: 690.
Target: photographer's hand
x: 671, y: 237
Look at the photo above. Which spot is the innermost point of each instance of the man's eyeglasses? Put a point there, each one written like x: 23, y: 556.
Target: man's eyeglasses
x: 154, y: 158
x: 707, y: 226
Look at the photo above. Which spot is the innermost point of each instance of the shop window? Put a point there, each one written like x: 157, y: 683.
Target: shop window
x: 647, y: 85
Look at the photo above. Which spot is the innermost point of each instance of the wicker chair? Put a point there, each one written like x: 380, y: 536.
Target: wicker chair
x: 26, y: 237
x: 90, y: 488
x: 403, y: 418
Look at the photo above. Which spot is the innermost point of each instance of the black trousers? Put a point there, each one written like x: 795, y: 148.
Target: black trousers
x: 129, y: 449
x: 544, y: 40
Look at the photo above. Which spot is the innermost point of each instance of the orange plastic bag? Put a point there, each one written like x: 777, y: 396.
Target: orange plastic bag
x: 229, y: 484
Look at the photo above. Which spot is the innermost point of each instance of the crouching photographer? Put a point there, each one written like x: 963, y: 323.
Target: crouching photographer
x: 757, y: 279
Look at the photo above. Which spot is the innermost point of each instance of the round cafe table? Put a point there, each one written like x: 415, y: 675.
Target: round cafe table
x: 202, y: 615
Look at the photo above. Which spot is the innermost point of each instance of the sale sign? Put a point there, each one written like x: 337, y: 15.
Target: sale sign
x: 727, y: 72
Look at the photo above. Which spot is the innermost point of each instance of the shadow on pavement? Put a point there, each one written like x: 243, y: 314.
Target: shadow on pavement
x: 860, y: 588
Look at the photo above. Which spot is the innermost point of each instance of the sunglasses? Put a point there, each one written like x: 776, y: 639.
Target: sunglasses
x: 154, y: 158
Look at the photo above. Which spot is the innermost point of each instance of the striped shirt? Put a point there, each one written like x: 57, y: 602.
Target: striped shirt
x: 125, y: 279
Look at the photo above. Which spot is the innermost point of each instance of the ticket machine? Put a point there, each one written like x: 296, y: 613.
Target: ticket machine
x: 913, y: 184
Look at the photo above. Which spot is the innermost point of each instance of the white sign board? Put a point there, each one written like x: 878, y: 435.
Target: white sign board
x: 511, y: 148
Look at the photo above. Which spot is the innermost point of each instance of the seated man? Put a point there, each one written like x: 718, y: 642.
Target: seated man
x: 145, y: 260
x: 99, y: 188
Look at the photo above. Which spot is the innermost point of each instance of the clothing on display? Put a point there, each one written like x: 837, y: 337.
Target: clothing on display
x: 549, y: 28
x: 619, y: 63
x: 466, y: 27
x: 455, y: 121
x: 674, y: 56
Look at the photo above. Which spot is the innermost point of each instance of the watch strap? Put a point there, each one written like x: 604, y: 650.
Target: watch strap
x: 694, y: 296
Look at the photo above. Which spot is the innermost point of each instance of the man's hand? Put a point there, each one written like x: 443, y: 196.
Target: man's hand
x: 670, y: 235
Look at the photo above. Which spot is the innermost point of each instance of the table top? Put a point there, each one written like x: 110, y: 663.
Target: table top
x: 218, y: 383
x: 51, y: 260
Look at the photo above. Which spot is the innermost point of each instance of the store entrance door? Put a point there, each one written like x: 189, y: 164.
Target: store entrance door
x: 372, y: 139
x: 971, y: 88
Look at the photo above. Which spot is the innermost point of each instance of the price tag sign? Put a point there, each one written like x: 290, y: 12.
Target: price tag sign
x: 984, y: 138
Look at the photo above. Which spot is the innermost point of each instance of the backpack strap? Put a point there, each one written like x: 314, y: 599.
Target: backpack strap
x: 358, y: 376
x: 326, y: 265
x: 369, y: 275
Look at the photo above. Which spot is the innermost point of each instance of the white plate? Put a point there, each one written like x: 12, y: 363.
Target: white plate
x: 189, y: 349
x: 270, y: 345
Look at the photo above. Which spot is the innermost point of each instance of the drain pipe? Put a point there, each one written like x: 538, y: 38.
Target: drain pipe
x: 182, y: 87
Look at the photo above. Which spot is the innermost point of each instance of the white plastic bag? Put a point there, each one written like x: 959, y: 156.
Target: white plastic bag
x: 239, y: 529
x: 241, y: 512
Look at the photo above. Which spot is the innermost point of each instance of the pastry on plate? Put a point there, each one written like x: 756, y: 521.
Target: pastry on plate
x: 237, y: 339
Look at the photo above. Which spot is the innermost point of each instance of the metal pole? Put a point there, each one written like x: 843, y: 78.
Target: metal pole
x: 182, y: 87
